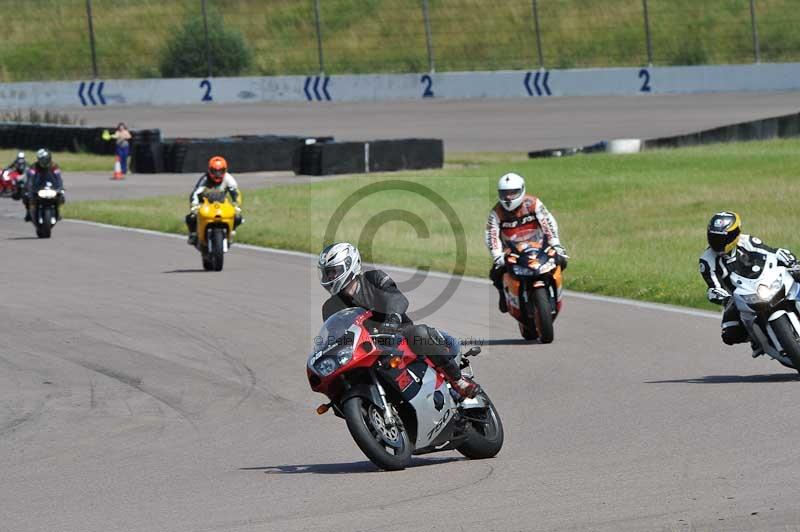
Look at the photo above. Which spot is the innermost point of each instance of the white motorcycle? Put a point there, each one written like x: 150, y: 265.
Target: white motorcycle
x: 767, y: 296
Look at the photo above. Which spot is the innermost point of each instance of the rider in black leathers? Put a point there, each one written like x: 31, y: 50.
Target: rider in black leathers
x: 42, y: 172
x: 340, y: 273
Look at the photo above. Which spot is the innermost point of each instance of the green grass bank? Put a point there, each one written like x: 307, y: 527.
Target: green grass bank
x: 634, y: 225
x: 388, y: 35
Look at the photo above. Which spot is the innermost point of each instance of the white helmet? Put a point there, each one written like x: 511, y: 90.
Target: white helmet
x: 511, y: 191
x: 338, y: 264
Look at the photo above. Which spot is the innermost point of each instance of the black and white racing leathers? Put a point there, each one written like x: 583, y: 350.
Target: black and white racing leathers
x: 716, y: 269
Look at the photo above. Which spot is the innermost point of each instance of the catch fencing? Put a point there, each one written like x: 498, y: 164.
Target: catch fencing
x: 126, y: 40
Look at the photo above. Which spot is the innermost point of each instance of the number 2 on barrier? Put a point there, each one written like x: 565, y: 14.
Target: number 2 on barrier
x: 428, y: 92
x: 205, y: 84
x: 644, y: 73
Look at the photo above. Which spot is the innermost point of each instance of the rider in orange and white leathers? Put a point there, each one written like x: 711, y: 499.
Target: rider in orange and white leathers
x: 518, y: 215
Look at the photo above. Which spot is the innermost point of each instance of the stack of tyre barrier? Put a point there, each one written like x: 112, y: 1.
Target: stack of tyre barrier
x: 373, y: 156
x: 64, y: 138
x: 246, y: 153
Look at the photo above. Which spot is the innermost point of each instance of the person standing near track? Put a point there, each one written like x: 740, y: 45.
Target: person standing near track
x: 123, y: 139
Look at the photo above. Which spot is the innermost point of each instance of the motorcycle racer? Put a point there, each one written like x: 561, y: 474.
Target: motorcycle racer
x: 19, y: 164
x: 216, y: 178
x: 340, y: 273
x: 43, y: 171
x: 730, y: 251
x: 518, y: 214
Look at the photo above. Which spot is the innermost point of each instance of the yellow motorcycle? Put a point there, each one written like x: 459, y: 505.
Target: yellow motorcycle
x: 215, y: 229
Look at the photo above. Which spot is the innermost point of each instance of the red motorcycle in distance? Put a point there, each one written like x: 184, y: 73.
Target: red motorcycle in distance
x: 395, y: 403
x: 8, y: 182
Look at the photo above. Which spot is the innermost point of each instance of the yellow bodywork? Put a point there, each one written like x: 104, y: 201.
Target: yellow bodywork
x: 214, y: 212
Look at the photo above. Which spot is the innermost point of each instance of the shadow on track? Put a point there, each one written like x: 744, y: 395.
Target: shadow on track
x: 342, y: 468
x: 23, y: 238
x: 730, y: 379
x: 507, y: 341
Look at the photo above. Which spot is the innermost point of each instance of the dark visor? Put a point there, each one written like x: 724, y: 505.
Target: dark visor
x: 331, y: 273
x: 508, y: 195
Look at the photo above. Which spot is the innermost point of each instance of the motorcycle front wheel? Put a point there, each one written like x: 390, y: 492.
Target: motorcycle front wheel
x: 387, y: 447
x: 543, y: 315
x: 788, y: 338
x: 217, y: 253
x: 485, y: 433
x: 43, y: 230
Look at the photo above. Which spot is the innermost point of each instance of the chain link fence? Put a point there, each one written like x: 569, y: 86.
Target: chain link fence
x: 79, y: 39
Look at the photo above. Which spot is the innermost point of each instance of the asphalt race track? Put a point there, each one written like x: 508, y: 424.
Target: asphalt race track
x: 471, y: 125
x: 139, y: 393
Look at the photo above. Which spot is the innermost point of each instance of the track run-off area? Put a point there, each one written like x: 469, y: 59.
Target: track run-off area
x: 140, y: 393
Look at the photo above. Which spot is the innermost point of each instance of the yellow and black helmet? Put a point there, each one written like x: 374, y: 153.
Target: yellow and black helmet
x: 723, y: 232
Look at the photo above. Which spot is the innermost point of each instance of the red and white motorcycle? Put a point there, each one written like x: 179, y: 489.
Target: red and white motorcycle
x: 8, y: 182
x: 397, y: 404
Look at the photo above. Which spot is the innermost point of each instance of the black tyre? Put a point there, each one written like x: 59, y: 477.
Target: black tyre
x: 527, y: 332
x: 484, y: 437
x: 217, y: 252
x: 43, y: 230
x: 788, y: 338
x: 387, y: 448
x: 543, y: 315
x: 207, y: 266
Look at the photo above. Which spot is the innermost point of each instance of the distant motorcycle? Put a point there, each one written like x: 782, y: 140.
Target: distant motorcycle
x: 8, y: 182
x: 396, y: 403
x: 767, y: 296
x: 43, y: 207
x: 532, y: 286
x: 215, y: 222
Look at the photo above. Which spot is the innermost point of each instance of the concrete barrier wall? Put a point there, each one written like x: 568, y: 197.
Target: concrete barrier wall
x: 376, y: 87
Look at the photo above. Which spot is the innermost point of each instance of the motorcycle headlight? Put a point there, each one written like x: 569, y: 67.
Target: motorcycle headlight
x: 325, y: 366
x: 344, y: 357
x: 766, y: 293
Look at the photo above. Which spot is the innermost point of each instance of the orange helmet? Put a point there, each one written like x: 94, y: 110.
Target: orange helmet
x: 217, y: 168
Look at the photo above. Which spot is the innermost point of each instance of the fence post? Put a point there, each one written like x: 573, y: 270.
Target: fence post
x: 538, y: 33
x: 428, y: 38
x: 91, y: 38
x: 756, y: 43
x: 318, y: 20
x: 205, y: 30
x: 647, y: 35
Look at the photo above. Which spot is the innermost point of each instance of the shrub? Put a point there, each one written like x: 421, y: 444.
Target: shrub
x: 184, y: 55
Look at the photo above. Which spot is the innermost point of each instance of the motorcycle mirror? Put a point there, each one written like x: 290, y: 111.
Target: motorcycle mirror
x: 473, y: 351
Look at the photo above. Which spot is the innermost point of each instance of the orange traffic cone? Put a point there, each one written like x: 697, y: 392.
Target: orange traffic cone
x: 117, y: 169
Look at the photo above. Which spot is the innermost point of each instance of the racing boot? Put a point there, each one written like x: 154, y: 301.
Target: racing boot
x: 192, y: 239
x: 501, y: 304
x: 27, y: 216
x: 757, y: 350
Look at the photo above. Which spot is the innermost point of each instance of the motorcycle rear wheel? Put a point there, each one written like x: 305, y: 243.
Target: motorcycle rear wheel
x: 788, y: 338
x: 387, y: 448
x: 484, y: 440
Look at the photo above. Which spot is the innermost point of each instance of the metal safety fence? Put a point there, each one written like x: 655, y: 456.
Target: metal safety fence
x: 77, y: 39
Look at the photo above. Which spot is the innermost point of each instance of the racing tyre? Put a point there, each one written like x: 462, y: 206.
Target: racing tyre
x: 788, y: 338
x: 527, y: 332
x: 485, y: 432
x: 387, y: 447
x: 207, y: 266
x: 217, y: 252
x: 43, y: 230
x: 543, y: 314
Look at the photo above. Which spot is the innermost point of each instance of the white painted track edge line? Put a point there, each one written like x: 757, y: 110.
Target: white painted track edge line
x: 441, y: 275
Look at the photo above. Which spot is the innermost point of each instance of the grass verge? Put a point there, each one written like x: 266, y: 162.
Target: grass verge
x: 634, y: 225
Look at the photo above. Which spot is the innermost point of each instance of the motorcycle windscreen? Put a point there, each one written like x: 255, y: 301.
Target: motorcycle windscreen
x: 335, y: 343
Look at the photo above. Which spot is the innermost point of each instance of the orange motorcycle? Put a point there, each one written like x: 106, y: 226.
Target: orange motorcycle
x: 532, y: 286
